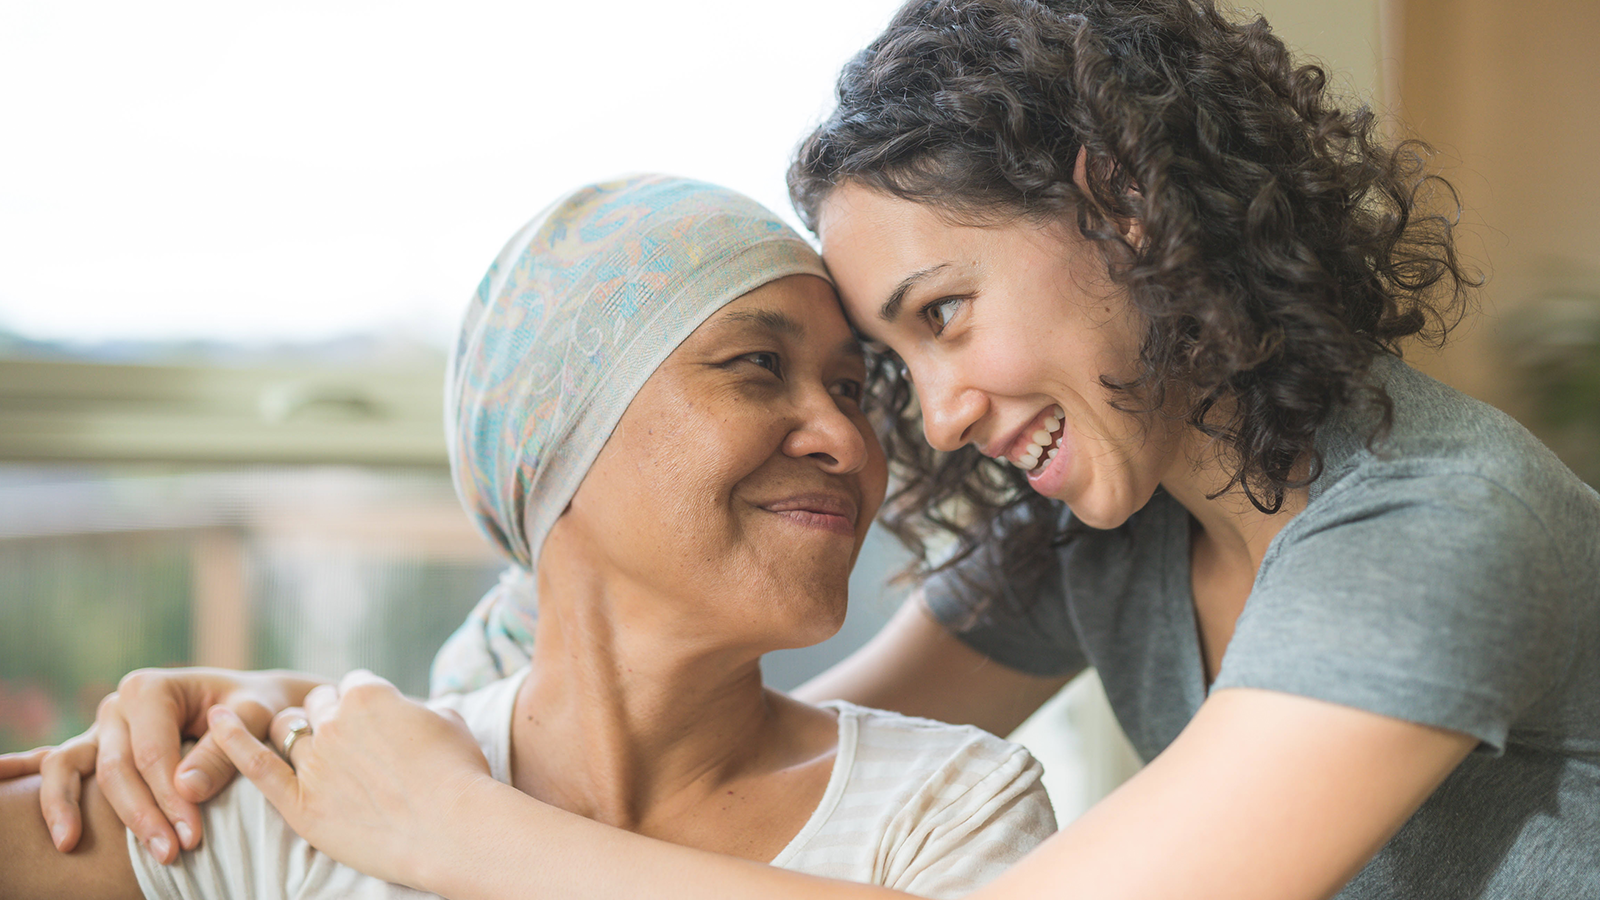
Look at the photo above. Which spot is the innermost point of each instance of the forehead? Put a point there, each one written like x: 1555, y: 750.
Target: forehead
x: 876, y: 244
x: 796, y: 309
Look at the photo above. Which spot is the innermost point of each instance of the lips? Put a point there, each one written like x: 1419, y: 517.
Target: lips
x: 1034, y: 445
x: 831, y: 512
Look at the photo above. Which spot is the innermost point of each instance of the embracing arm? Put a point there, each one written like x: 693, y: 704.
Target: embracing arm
x: 134, y: 751
x: 916, y: 667
x: 1264, y: 795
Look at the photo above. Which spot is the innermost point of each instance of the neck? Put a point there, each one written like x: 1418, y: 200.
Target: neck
x: 1233, y: 528
x: 624, y: 716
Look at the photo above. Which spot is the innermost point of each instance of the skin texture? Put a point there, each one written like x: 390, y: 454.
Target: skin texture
x: 31, y: 867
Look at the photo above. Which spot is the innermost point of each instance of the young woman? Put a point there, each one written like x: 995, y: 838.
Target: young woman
x: 1147, y: 282
x: 655, y: 411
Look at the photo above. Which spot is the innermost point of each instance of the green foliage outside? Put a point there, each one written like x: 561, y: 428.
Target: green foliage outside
x: 75, y: 615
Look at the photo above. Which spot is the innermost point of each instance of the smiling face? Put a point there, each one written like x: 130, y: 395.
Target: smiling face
x: 741, y: 480
x: 1006, y: 330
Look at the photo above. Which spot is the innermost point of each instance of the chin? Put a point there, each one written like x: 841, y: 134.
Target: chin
x: 813, y: 616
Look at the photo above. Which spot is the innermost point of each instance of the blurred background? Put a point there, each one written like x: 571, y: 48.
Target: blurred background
x: 234, y: 239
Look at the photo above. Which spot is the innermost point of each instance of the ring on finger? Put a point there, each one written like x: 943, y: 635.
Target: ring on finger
x: 297, y: 729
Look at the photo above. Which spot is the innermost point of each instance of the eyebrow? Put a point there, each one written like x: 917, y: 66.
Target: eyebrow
x: 770, y: 320
x: 897, y: 298
x: 782, y: 323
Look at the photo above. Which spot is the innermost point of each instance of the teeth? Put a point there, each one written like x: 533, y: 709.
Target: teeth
x: 1058, y: 412
x: 1051, y: 424
x: 1052, y: 454
x: 1034, y: 449
x: 1042, y: 437
x: 1027, y: 462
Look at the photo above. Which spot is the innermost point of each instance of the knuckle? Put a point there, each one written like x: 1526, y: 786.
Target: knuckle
x: 140, y: 821
x: 113, y: 759
x: 255, y: 766
x: 362, y: 695
x: 137, y: 680
x: 148, y: 756
x: 108, y: 703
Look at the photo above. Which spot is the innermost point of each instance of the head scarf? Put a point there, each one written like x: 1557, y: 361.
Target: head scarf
x: 574, y: 315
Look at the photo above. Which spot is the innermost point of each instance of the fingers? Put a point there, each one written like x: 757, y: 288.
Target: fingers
x: 125, y: 789
x: 62, y: 771
x: 154, y: 720
x: 290, y: 734
x: 321, y: 703
x: 205, y: 769
x: 16, y: 765
x: 256, y: 761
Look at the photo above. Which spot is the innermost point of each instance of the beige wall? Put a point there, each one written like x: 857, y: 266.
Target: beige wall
x: 1345, y: 35
x: 1510, y: 95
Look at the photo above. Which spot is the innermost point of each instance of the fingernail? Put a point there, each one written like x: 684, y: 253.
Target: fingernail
x: 185, y: 834
x: 197, y: 780
x: 58, y: 834
x: 159, y: 847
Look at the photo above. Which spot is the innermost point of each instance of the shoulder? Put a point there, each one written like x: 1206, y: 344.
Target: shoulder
x: 1453, y: 472
x: 1440, y: 436
x: 921, y: 764
x: 941, y: 809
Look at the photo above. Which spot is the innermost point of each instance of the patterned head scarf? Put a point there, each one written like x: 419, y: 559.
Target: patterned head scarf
x: 574, y: 315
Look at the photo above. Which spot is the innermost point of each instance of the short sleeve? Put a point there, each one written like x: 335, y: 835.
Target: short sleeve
x: 1438, y: 599
x: 1015, y: 615
x: 963, y: 833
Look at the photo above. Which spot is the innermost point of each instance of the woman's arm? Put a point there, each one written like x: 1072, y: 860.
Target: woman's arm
x: 1264, y: 795
x: 134, y: 751
x: 916, y: 667
x: 30, y: 867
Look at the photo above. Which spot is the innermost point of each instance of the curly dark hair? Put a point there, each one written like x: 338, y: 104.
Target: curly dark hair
x: 1284, y: 244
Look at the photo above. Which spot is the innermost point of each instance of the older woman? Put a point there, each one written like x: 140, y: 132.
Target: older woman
x: 656, y: 412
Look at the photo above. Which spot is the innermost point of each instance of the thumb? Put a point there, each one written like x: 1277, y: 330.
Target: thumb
x: 205, y: 770
x: 254, y: 760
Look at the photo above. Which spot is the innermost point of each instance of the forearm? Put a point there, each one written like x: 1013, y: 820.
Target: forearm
x: 499, y: 844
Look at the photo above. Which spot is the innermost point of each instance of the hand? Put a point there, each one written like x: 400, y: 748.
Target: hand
x: 372, y: 782
x: 134, y: 747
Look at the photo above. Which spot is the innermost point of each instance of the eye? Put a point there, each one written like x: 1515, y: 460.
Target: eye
x: 850, y: 389
x: 939, y: 313
x: 766, y: 360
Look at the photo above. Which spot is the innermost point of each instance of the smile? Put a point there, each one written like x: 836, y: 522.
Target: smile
x: 1043, y: 443
x: 828, y: 512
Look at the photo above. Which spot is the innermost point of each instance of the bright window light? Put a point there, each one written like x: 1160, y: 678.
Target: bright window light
x: 296, y: 171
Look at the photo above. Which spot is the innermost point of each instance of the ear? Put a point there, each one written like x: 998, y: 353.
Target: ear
x: 1131, y: 228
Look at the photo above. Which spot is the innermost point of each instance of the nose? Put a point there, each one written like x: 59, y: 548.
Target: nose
x: 826, y: 433
x: 949, y: 409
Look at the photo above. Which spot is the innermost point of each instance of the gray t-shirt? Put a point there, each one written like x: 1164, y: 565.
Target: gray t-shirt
x: 1451, y: 577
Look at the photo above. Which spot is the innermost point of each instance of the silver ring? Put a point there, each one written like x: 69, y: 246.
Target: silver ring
x: 300, y: 728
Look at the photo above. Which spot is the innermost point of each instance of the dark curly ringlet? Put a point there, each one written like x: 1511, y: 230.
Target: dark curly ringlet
x: 1284, y: 243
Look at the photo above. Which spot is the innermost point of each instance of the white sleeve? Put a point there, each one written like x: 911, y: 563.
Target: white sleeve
x: 960, y: 834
